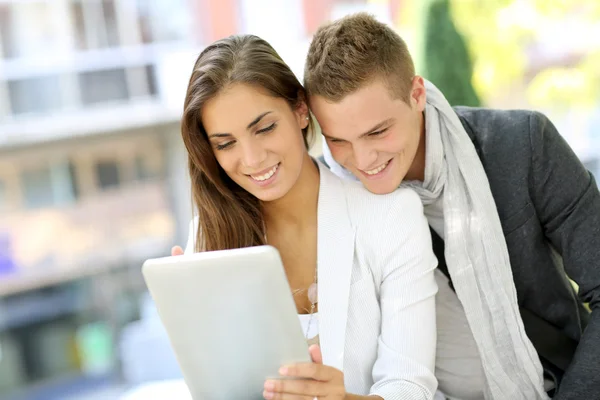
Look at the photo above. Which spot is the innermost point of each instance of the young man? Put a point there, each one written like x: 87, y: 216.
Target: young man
x: 512, y: 210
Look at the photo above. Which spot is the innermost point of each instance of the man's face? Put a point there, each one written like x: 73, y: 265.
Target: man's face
x: 374, y: 135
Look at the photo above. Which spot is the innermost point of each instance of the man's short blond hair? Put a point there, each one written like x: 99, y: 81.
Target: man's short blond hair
x: 353, y: 51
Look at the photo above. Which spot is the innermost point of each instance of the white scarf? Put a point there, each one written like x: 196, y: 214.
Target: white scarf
x: 476, y: 254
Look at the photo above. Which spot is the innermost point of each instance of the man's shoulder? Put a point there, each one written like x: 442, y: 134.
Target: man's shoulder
x: 478, y: 115
x: 499, y: 133
x: 488, y: 122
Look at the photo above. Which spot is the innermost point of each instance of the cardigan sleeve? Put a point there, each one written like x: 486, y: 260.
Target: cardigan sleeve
x: 400, y: 243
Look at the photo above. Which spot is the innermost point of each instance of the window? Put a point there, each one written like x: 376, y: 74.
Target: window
x: 145, y: 169
x: 37, y: 188
x: 151, y: 79
x: 49, y: 185
x: 5, y: 29
x: 144, y: 22
x: 107, y: 174
x: 103, y: 86
x: 35, y: 95
x: 26, y: 29
x: 142, y: 81
x: 163, y: 20
x: 73, y: 178
x: 110, y: 19
x: 95, y: 24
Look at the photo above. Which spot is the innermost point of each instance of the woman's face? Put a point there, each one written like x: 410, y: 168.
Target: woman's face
x: 257, y: 139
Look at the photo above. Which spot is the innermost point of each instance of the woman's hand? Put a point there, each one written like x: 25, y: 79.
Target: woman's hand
x: 315, y: 381
x: 176, y: 251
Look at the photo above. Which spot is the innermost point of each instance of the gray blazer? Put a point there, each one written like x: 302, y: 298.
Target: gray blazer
x: 549, y: 207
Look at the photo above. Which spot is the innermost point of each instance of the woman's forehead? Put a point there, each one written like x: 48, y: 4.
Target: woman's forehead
x: 234, y: 108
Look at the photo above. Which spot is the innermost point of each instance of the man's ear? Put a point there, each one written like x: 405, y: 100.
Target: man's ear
x: 418, y: 93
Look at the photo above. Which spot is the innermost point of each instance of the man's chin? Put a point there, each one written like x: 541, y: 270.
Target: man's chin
x: 379, y: 187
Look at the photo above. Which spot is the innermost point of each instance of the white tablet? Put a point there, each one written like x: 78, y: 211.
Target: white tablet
x: 230, y: 317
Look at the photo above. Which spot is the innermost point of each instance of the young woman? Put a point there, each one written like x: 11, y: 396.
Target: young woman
x: 363, y: 282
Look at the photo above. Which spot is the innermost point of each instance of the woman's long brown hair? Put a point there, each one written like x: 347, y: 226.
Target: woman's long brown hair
x: 229, y: 216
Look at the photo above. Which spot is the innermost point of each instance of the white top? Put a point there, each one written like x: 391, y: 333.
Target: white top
x: 310, y: 325
x: 377, y: 289
x: 310, y: 328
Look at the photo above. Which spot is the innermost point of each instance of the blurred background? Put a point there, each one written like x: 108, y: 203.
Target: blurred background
x: 93, y: 175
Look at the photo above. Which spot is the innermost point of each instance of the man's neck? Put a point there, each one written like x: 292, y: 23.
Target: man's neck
x: 416, y: 172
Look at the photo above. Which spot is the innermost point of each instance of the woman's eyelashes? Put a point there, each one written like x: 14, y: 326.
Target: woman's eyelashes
x: 267, y: 129
x: 226, y: 145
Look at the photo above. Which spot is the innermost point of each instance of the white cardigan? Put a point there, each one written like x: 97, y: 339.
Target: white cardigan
x: 376, y: 289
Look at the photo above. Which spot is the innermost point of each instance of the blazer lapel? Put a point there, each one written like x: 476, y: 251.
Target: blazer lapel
x: 335, y: 256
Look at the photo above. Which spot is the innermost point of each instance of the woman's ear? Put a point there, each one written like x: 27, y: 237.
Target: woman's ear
x: 301, y: 111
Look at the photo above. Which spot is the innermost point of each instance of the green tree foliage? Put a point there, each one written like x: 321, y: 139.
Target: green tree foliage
x: 503, y: 35
x: 447, y: 62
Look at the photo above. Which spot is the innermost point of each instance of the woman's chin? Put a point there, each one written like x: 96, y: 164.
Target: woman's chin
x: 268, y: 195
x: 266, y: 190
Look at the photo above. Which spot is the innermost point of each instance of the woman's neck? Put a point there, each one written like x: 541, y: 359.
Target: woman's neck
x: 299, y: 206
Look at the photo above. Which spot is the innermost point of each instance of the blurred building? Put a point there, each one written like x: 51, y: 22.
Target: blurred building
x: 92, y: 173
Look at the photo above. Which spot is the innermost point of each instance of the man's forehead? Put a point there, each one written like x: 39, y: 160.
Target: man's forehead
x: 339, y: 124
